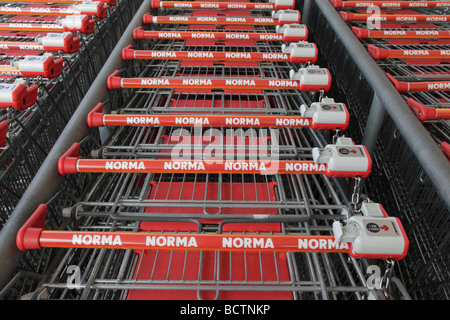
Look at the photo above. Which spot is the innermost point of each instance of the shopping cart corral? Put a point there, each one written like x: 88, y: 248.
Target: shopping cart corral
x: 208, y: 160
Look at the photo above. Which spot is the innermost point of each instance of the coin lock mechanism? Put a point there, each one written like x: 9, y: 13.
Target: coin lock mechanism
x: 292, y: 32
x: 286, y: 16
x: 301, y: 51
x: 326, y: 114
x: 373, y: 235
x: 344, y: 159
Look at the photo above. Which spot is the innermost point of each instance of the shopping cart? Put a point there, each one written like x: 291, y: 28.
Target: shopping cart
x: 257, y: 234
x: 42, y: 90
x: 401, y: 49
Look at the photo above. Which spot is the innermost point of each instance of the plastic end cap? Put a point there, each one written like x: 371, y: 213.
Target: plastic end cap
x: 94, y: 118
x: 28, y: 236
x: 422, y: 112
x: 67, y: 164
x: 376, y: 52
x: 360, y: 33
x: 346, y: 15
x: 138, y: 34
x: 128, y: 53
x: 113, y: 81
x: 445, y: 147
x: 401, y: 87
x: 156, y: 4
x: 147, y: 19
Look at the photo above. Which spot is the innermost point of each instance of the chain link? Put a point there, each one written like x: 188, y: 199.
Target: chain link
x: 336, y: 135
x: 355, y: 195
x: 385, y: 280
x: 321, y: 95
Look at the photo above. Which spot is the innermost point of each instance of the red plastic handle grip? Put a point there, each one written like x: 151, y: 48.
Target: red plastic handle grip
x: 33, y: 236
x: 51, y: 11
x: 401, y: 18
x: 109, y: 2
x: 140, y: 34
x: 430, y: 33
x: 156, y: 4
x: 431, y: 86
x: 130, y: 54
x: 98, y: 119
x: 31, y: 27
x: 150, y: 19
x: 381, y: 53
x: 116, y: 82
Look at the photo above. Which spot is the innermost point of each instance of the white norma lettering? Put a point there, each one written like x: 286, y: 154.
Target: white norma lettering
x: 247, y: 243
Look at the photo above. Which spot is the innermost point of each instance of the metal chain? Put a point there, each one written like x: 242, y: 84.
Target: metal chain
x: 337, y: 135
x: 322, y: 93
x: 385, y: 280
x: 355, y: 195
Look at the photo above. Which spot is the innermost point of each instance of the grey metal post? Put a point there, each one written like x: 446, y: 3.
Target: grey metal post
x: 47, y: 179
x: 305, y: 11
x: 373, y: 125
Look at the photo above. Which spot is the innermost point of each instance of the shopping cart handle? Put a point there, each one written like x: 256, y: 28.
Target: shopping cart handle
x: 28, y: 236
x: 422, y: 112
x: 3, y: 132
x: 373, y: 235
x: 32, y: 235
x: 445, y: 147
x: 95, y: 117
x: 67, y: 164
x: 344, y: 159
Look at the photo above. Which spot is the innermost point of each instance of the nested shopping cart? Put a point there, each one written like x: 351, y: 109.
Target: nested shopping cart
x: 46, y: 69
x: 266, y: 219
x: 401, y: 46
